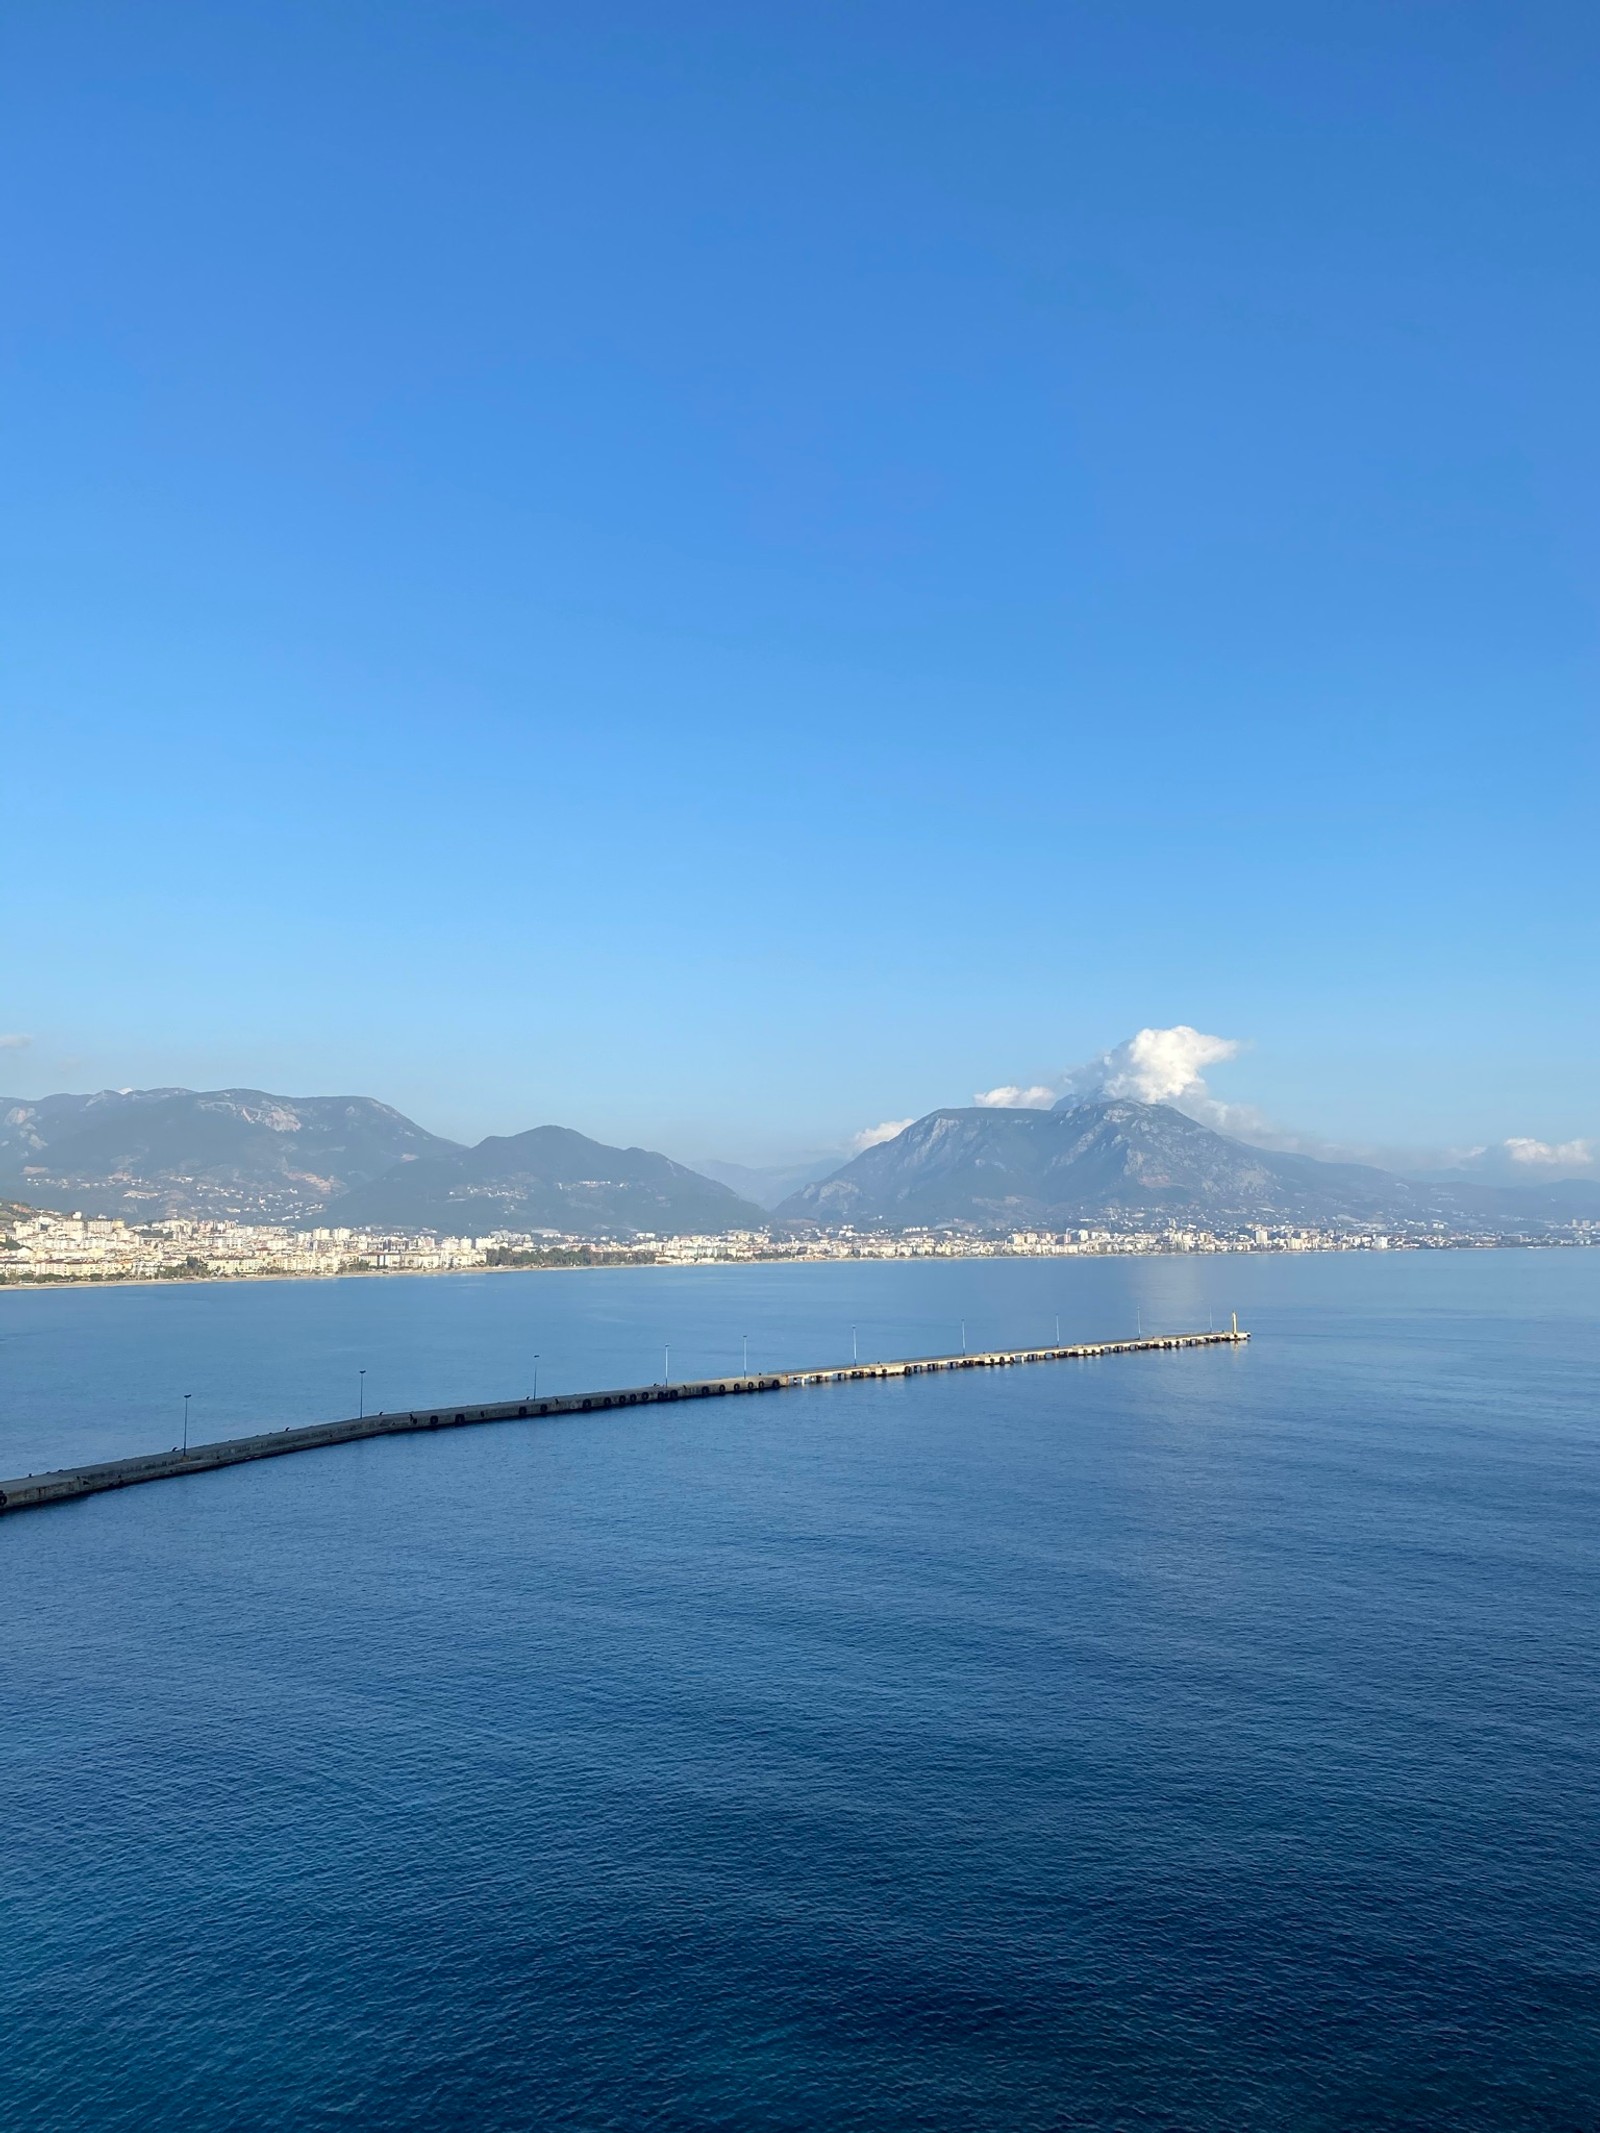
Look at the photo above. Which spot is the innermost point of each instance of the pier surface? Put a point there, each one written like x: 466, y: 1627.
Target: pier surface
x: 35, y: 1490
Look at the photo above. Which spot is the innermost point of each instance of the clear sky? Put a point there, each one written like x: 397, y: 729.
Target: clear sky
x: 719, y: 573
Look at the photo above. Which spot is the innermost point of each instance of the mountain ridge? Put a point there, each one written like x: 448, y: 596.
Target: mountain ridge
x: 222, y: 1154
x: 986, y: 1169
x: 549, y: 1177
x: 248, y: 1155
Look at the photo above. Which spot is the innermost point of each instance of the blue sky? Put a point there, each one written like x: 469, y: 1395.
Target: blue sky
x: 718, y: 574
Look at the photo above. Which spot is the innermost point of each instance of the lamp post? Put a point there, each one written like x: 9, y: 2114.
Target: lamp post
x: 186, y: 1399
x: 963, y: 1336
x: 855, y: 1353
x: 746, y: 1371
x: 361, y: 1407
x: 1058, y: 1329
x: 536, y: 1373
x: 666, y: 1365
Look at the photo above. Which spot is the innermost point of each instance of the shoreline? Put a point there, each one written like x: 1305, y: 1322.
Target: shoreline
x: 670, y: 1266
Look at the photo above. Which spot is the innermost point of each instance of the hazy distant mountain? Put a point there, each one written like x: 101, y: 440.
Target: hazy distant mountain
x: 549, y: 1178
x: 769, y: 1184
x: 240, y: 1153
x: 986, y: 1169
x: 1496, y: 1166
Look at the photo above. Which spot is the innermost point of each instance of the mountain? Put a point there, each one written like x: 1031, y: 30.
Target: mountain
x: 981, y: 1169
x: 549, y: 1178
x: 239, y: 1154
x: 768, y: 1184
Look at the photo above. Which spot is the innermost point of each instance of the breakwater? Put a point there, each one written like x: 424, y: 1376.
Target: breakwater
x: 33, y: 1491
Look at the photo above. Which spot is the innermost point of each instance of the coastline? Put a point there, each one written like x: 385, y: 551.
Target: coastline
x: 664, y: 1266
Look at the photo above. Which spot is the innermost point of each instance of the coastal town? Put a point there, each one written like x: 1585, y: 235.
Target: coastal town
x: 38, y: 1247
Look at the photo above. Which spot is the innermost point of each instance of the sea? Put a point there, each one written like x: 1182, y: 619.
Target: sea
x: 1194, y: 1740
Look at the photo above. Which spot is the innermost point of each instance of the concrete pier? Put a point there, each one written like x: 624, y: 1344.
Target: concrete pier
x: 35, y: 1490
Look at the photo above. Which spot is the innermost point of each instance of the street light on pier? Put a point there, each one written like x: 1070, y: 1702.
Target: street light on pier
x: 361, y: 1399
x: 746, y: 1369
x: 188, y: 1396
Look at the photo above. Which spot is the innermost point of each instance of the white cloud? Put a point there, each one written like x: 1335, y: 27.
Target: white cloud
x: 1550, y: 1155
x: 1163, y: 1066
x: 1168, y: 1066
x: 16, y: 1042
x: 1154, y: 1066
x: 875, y: 1136
x: 1157, y: 1066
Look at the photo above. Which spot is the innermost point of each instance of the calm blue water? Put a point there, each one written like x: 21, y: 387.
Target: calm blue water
x: 1194, y: 1741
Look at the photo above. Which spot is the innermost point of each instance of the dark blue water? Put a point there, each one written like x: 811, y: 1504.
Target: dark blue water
x: 1194, y: 1741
